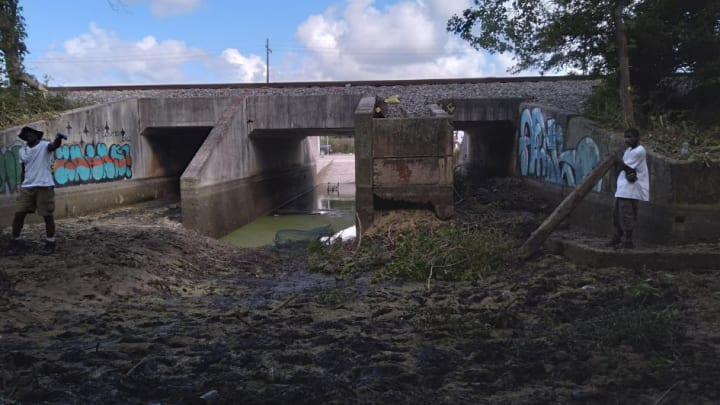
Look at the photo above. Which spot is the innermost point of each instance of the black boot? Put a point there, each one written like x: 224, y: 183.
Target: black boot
x: 616, y: 240
x: 15, y: 247
x: 48, y: 249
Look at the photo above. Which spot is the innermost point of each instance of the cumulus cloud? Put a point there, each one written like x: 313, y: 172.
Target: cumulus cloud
x: 237, y: 67
x: 405, y: 39
x: 355, y: 40
x: 100, y: 57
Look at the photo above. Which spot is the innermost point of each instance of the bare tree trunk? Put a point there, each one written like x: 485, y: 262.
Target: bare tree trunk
x: 623, y: 63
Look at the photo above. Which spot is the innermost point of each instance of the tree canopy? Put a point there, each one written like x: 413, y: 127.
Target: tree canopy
x: 664, y: 37
x: 12, y: 38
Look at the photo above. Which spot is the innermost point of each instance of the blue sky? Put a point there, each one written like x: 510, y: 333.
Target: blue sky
x: 98, y: 42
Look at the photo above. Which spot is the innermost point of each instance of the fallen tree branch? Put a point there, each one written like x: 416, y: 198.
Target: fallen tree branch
x: 538, y: 237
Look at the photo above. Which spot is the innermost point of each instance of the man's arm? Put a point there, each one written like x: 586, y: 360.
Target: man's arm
x: 56, y: 143
x: 22, y: 177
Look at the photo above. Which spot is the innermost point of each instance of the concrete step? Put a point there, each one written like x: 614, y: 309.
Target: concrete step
x: 591, y: 250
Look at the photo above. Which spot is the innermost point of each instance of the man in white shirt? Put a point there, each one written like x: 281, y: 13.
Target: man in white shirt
x: 37, y: 190
x: 633, y: 185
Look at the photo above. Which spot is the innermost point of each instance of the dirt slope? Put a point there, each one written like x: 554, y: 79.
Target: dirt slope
x: 134, y: 309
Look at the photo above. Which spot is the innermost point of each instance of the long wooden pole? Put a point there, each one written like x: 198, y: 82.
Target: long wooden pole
x: 538, y: 237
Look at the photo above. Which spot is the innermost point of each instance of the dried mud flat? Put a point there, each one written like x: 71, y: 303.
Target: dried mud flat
x: 134, y: 309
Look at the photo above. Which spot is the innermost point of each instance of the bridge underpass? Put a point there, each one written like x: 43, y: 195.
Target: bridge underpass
x: 239, y: 158
x: 115, y: 155
x: 172, y: 149
x: 487, y: 150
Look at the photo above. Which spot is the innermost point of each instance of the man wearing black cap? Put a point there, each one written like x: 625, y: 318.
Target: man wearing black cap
x: 37, y: 192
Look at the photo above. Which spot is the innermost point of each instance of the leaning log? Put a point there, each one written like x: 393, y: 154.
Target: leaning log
x: 538, y: 237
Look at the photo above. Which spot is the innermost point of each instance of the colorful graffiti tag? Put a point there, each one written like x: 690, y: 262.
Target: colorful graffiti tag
x: 9, y: 168
x: 542, y: 153
x: 91, y: 163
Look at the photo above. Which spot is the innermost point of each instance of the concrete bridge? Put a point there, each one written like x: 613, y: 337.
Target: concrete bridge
x: 231, y: 159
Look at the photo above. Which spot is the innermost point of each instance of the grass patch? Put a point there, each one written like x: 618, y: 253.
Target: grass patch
x: 447, y: 253
x: 335, y: 297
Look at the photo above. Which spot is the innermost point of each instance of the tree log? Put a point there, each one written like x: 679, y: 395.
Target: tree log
x: 538, y: 237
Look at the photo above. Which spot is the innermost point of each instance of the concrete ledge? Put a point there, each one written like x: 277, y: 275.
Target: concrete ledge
x: 592, y: 253
x: 85, y: 199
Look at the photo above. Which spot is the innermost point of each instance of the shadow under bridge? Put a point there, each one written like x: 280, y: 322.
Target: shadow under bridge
x: 261, y: 153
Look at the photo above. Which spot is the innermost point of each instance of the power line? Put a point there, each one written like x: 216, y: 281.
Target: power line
x: 203, y: 54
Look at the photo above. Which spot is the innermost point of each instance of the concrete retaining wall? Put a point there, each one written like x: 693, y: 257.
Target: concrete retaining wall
x: 99, y: 166
x: 556, y: 151
x: 254, y: 155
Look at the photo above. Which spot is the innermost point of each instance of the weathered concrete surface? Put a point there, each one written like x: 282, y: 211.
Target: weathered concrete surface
x: 363, y: 123
x: 473, y: 110
x: 300, y: 116
x: 489, y: 146
x: 82, y: 200
x: 589, y: 252
x: 217, y: 209
x: 256, y: 157
x: 412, y: 162
x: 261, y: 145
x: 684, y: 204
x: 97, y: 167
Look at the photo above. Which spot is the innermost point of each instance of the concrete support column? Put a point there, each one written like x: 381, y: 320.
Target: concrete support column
x: 364, y: 162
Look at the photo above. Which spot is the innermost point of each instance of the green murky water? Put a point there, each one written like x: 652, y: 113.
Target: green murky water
x: 322, y: 206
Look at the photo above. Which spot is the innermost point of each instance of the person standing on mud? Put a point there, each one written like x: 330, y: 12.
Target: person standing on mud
x: 633, y: 185
x: 37, y: 189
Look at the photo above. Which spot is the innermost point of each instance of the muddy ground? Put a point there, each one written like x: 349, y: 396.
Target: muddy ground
x: 135, y: 309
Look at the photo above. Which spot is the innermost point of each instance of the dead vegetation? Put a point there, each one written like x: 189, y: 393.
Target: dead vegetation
x: 149, y: 312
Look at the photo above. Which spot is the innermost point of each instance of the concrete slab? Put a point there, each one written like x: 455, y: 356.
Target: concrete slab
x: 591, y: 251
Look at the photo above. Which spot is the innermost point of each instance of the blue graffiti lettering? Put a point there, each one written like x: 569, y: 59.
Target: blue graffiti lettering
x: 542, y: 153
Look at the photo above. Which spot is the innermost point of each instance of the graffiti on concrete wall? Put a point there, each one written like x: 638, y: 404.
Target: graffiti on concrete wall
x: 74, y: 164
x: 9, y: 168
x: 91, y: 163
x: 542, y: 152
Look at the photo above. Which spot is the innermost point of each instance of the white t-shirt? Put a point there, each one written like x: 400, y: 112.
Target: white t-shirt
x: 38, y: 165
x: 640, y: 190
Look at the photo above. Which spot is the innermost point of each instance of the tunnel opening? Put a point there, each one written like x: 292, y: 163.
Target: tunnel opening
x: 322, y: 179
x: 172, y: 150
x: 487, y: 149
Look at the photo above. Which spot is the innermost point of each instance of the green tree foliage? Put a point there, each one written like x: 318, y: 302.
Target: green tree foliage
x: 664, y: 38
x: 585, y: 35
x: 549, y: 35
x: 670, y: 37
x: 12, y: 40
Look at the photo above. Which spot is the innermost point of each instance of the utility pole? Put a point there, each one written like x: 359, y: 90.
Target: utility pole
x: 268, y: 51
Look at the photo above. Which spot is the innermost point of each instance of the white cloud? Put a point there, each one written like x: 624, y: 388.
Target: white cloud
x: 100, y: 57
x: 239, y: 68
x: 406, y: 39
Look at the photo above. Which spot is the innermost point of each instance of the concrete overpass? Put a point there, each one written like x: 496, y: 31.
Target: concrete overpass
x: 231, y: 159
